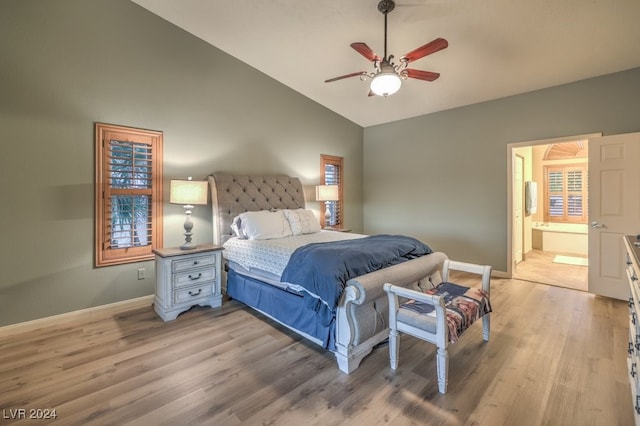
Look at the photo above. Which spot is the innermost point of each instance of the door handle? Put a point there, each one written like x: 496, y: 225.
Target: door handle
x: 597, y: 225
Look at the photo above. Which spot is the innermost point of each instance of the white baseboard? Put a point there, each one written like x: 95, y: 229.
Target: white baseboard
x: 82, y: 315
x: 499, y: 274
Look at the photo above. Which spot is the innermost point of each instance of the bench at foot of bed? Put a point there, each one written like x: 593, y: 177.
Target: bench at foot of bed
x: 440, y: 315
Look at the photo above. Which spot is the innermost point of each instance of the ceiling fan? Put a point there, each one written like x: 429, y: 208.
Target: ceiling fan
x: 387, y: 77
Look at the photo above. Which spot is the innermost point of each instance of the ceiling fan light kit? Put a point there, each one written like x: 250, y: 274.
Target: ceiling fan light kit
x: 387, y: 77
x: 385, y: 83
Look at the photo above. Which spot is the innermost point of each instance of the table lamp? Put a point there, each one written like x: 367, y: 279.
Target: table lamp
x: 188, y: 193
x: 327, y: 193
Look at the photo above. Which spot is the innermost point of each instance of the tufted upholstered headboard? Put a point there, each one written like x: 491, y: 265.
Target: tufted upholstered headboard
x: 233, y: 194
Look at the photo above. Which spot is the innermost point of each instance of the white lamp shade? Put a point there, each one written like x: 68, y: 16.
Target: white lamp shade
x: 188, y: 192
x: 386, y: 83
x: 327, y: 193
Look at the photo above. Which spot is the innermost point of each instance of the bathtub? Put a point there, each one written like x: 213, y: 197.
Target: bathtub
x: 569, y: 238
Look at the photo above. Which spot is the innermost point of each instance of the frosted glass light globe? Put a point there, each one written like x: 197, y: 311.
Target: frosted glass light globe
x: 386, y: 83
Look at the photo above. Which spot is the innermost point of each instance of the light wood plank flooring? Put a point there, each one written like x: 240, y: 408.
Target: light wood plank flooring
x: 539, y: 267
x: 556, y: 357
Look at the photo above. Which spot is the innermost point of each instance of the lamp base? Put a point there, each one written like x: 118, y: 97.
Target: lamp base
x: 188, y: 246
x: 188, y: 226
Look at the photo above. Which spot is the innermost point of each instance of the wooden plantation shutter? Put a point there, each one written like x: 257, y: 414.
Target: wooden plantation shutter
x: 128, y: 194
x: 566, y: 194
x: 575, y: 195
x: 331, y: 173
x: 555, y: 195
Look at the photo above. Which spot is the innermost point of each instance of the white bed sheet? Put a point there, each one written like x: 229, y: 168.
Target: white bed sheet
x: 272, y: 256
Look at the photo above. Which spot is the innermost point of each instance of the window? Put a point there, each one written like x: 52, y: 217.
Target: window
x: 128, y: 194
x: 331, y: 169
x: 566, y: 193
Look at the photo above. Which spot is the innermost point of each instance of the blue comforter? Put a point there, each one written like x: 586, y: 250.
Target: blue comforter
x: 323, y: 269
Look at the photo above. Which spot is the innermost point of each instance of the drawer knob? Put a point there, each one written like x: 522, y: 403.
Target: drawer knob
x: 195, y: 262
x: 193, y: 278
x: 630, y: 350
x: 194, y: 293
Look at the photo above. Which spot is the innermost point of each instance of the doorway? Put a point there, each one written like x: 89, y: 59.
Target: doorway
x: 548, y: 211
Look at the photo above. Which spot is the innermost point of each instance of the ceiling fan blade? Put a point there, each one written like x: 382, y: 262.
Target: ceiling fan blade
x: 429, y: 48
x: 371, y: 94
x: 365, y: 51
x: 422, y: 75
x: 353, y: 74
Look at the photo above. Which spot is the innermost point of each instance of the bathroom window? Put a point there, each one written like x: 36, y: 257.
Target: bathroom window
x: 566, y: 193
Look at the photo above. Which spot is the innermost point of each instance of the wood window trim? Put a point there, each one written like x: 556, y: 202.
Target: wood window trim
x: 339, y: 162
x: 104, y: 254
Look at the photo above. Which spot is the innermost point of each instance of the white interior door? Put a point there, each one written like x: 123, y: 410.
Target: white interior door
x: 614, y: 210
x: 518, y: 179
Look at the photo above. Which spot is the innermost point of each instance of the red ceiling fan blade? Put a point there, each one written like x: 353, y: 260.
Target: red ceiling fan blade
x: 353, y: 74
x: 422, y: 75
x: 422, y: 51
x: 365, y: 51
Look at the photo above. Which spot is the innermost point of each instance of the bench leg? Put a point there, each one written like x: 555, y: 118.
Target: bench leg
x: 394, y: 342
x: 442, y: 363
x: 486, y: 325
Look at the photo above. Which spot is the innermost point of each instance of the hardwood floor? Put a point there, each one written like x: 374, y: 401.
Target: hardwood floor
x: 539, y: 267
x: 556, y: 357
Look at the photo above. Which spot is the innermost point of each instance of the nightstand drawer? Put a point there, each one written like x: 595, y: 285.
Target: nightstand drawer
x: 192, y: 293
x: 193, y: 277
x: 193, y: 262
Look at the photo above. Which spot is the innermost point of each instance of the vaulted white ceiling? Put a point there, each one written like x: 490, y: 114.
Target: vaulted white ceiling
x: 497, y: 48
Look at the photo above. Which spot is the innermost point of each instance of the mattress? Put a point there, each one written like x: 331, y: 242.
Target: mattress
x: 265, y: 277
x: 268, y: 258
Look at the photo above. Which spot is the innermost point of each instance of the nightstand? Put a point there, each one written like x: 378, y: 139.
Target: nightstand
x: 185, y: 278
x: 331, y: 228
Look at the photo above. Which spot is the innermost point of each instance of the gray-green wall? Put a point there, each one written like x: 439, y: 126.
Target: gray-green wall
x: 442, y: 177
x: 66, y: 64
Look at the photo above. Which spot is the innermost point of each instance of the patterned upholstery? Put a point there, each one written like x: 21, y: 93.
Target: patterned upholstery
x: 234, y: 194
x: 464, y: 305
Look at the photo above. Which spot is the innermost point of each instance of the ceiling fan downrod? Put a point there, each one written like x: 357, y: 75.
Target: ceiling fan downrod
x: 386, y: 6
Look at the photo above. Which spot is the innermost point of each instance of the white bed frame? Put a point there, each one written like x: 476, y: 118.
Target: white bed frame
x: 362, y: 314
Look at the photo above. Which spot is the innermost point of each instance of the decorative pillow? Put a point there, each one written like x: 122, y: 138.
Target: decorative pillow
x: 264, y: 225
x: 302, y: 221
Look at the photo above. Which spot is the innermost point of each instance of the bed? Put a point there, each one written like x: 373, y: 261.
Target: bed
x: 360, y: 319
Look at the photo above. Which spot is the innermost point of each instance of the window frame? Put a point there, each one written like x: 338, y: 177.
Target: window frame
x: 338, y: 162
x: 105, y: 255
x: 566, y: 193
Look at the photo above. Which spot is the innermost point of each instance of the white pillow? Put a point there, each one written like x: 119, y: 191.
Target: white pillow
x: 264, y: 225
x: 302, y: 221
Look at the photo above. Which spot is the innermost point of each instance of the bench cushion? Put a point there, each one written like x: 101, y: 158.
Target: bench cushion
x: 464, y: 305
